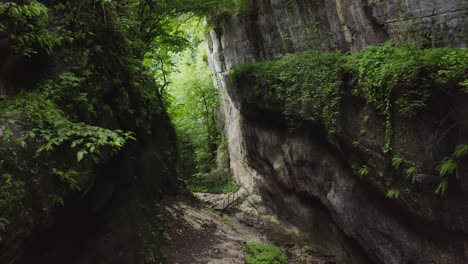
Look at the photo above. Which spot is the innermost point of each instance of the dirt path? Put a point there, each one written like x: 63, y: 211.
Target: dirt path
x: 200, y: 235
x: 203, y: 236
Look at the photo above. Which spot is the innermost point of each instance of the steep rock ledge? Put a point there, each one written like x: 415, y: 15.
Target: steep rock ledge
x: 293, y: 169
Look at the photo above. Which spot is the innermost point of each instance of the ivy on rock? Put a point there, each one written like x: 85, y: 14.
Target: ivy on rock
x: 309, y: 85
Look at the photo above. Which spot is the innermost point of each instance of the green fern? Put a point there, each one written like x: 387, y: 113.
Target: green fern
x: 460, y: 151
x: 396, y: 161
x: 442, y: 187
x: 363, y: 171
x: 411, y: 172
x: 393, y: 193
x: 447, y: 167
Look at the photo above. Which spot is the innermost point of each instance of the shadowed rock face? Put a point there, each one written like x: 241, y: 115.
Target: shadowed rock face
x: 306, y: 173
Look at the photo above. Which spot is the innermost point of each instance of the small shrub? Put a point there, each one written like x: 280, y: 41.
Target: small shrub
x: 257, y: 253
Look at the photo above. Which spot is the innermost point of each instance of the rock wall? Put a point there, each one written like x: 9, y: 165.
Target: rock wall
x: 295, y: 171
x: 277, y: 26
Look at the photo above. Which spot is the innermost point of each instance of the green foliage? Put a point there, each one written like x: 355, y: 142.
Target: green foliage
x: 52, y: 129
x: 396, y: 161
x: 393, y: 193
x: 308, y: 83
x: 448, y: 66
x: 44, y: 131
x: 442, y: 187
x: 65, y: 123
x: 161, y: 22
x: 69, y: 177
x: 379, y: 71
x: 12, y: 195
x: 257, y: 253
x: 411, y: 172
x: 363, y: 170
x: 449, y: 167
x: 68, y: 92
x: 192, y: 108
x: 26, y: 23
x: 388, y: 77
x: 217, y: 181
x: 460, y: 151
x: 412, y: 101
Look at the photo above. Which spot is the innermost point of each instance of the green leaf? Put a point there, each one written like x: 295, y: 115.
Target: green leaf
x: 460, y: 151
x: 442, y: 187
x: 80, y: 155
x: 411, y: 172
x: 363, y: 170
x: 447, y: 167
x: 393, y: 193
x: 396, y: 161
x: 7, y: 134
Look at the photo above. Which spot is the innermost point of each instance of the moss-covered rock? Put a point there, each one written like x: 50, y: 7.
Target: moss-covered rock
x: 398, y: 121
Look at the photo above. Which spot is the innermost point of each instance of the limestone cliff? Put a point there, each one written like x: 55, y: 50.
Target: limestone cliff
x: 306, y: 175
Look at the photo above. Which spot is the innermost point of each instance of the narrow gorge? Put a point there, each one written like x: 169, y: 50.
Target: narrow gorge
x: 234, y: 131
